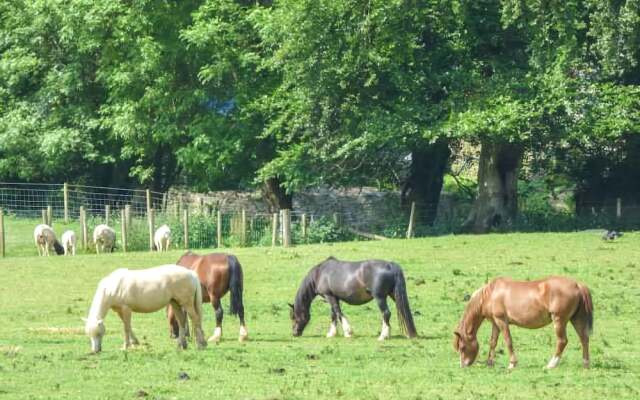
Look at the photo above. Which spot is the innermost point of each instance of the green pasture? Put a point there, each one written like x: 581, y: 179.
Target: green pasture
x: 44, y: 353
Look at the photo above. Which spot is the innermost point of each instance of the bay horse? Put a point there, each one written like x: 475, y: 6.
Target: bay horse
x: 528, y: 304
x: 355, y: 283
x: 125, y: 291
x: 218, y: 274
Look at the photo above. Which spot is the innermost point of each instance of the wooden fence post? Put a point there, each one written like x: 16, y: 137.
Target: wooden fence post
x: 44, y: 216
x: 107, y: 211
x: 123, y: 230
x: 49, y: 216
x: 2, y: 248
x: 274, y: 229
x: 127, y: 215
x: 83, y: 227
x: 286, y: 228
x: 219, y: 227
x: 243, y: 227
x: 412, y: 220
x: 65, y: 192
x: 150, y: 220
x: 303, y: 222
x: 185, y: 221
x: 164, y: 203
x: 148, y: 192
x: 619, y: 208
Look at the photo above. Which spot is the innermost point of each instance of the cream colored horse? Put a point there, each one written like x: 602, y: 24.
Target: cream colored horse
x: 69, y: 243
x: 125, y: 291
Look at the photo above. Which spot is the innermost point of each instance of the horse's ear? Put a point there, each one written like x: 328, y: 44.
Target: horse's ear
x: 456, y: 340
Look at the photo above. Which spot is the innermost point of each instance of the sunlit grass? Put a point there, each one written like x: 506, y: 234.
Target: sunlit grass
x: 44, y: 354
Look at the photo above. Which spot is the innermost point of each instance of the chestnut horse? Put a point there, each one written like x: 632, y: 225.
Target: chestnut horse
x: 218, y: 274
x: 531, y: 305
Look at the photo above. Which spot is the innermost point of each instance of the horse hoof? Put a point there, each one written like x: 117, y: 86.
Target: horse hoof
x: 512, y: 365
x: 490, y: 363
x: 213, y: 339
x: 348, y: 334
x: 243, y: 338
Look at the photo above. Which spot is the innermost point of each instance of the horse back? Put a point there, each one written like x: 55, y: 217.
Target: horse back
x: 212, y: 270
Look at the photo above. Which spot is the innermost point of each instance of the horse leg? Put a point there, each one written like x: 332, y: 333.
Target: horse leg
x: 335, y: 307
x: 217, y: 309
x: 125, y: 315
x: 583, y: 333
x: 181, y: 317
x: 493, y: 342
x: 560, y: 326
x: 173, y: 323
x: 506, y: 333
x: 197, y: 325
x: 386, y: 315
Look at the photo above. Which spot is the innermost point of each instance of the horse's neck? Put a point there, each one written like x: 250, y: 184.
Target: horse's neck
x: 100, y: 304
x: 306, y: 293
x: 474, y: 316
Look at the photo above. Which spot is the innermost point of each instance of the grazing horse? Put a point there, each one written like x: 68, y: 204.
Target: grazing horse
x: 356, y: 283
x: 162, y: 238
x: 105, y: 238
x: 125, y: 291
x: 218, y: 273
x: 533, y: 305
x: 69, y: 243
x: 45, y: 238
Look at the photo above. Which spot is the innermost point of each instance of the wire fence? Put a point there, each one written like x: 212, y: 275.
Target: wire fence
x: 136, y: 214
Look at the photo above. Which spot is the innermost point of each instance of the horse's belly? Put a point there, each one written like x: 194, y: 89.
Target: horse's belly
x: 530, y: 321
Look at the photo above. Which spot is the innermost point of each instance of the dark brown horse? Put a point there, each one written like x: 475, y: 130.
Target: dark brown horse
x: 218, y: 274
x: 531, y: 305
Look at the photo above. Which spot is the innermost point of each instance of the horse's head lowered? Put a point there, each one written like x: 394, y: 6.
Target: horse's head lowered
x: 95, y: 330
x: 467, y: 346
x: 299, y: 318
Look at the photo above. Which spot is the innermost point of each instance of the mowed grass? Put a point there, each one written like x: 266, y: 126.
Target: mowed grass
x: 44, y: 354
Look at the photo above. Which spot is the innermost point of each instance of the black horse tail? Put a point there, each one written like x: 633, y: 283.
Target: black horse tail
x: 235, y: 287
x: 402, y: 305
x: 58, y: 247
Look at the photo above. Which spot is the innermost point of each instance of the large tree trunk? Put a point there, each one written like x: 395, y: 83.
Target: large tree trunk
x: 426, y: 176
x: 275, y: 195
x: 497, y: 201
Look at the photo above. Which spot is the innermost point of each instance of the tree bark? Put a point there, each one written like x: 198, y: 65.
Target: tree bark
x: 426, y: 177
x: 276, y: 196
x: 497, y: 202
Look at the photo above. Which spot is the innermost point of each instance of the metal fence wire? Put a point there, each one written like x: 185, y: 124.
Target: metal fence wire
x: 202, y: 225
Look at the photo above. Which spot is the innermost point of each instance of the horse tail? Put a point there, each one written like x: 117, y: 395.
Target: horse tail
x: 402, y: 305
x: 58, y: 247
x: 585, y: 308
x: 235, y: 286
x: 197, y: 305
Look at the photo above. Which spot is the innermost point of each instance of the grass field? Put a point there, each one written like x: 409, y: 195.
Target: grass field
x: 44, y: 354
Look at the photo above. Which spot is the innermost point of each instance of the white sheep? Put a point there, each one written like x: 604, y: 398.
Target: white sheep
x: 162, y: 238
x: 45, y: 238
x: 104, y: 238
x: 69, y: 243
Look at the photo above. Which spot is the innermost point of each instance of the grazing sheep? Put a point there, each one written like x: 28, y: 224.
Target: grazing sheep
x: 69, y: 243
x: 45, y: 238
x: 104, y: 238
x: 162, y: 238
